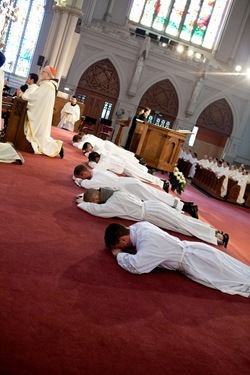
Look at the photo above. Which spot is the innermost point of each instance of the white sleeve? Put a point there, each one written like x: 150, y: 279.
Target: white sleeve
x: 141, y: 262
x: 125, y: 261
x: 101, y: 210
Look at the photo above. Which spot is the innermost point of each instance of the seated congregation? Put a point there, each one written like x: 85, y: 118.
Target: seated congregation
x: 216, y: 177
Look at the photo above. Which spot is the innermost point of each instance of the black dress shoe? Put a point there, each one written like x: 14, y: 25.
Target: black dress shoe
x: 19, y: 161
x: 61, y: 153
x: 165, y: 186
x: 225, y: 240
x: 192, y: 210
x: 188, y: 203
x: 151, y: 171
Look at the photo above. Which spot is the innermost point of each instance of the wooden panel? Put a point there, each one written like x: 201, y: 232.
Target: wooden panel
x: 15, y: 129
x: 160, y: 147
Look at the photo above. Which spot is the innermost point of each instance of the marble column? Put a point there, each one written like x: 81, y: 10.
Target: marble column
x: 66, y: 15
x: 107, y: 16
x: 231, y: 149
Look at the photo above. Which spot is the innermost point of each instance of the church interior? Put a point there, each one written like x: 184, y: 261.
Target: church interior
x: 66, y: 306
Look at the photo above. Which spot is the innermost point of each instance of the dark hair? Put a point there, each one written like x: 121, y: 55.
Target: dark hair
x: 23, y: 88
x: 2, y: 59
x: 76, y: 138
x: 73, y: 97
x: 34, y: 76
x: 79, y: 169
x: 89, y: 194
x: 113, y: 233
x: 93, y: 155
x: 86, y: 145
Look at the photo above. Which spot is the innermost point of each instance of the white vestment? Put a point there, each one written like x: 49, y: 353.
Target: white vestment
x: 8, y: 154
x: 69, y: 115
x: 39, y: 119
x: 127, y: 206
x: 119, y: 165
x: 198, y: 261
x: 30, y: 91
x: 130, y: 185
x: 102, y: 146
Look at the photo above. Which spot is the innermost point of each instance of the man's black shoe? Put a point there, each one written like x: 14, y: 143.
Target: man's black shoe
x: 151, y: 171
x: 61, y: 153
x: 165, y: 186
x: 192, y: 210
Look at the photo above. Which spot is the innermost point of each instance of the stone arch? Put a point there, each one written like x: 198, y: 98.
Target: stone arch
x: 215, y: 125
x: 162, y: 98
x: 99, y: 84
x: 217, y: 117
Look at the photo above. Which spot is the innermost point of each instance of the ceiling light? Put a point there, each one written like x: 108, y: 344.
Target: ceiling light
x: 180, y: 48
x: 238, y: 68
x: 190, y: 52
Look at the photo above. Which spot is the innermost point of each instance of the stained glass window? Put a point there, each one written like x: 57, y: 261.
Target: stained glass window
x: 197, y: 22
x: 21, y: 36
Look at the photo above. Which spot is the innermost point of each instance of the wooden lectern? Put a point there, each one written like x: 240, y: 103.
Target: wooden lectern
x: 123, y: 124
x: 160, y: 147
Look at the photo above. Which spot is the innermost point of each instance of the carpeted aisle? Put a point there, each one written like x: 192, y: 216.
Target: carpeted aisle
x: 68, y: 309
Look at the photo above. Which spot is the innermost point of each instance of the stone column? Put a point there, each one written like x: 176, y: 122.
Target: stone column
x: 66, y: 15
x: 107, y: 16
x: 88, y: 13
x: 231, y: 149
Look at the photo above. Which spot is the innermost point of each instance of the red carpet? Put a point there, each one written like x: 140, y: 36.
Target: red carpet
x: 67, y: 308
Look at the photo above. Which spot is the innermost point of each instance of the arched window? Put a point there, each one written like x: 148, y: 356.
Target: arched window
x: 21, y: 36
x: 197, y: 22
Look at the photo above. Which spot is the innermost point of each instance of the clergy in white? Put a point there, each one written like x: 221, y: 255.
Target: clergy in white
x: 117, y: 164
x: 39, y: 115
x: 198, y: 261
x: 107, y: 203
x: 9, y: 155
x: 96, y: 179
x: 69, y: 115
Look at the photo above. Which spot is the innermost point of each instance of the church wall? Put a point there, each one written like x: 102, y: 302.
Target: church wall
x: 113, y: 40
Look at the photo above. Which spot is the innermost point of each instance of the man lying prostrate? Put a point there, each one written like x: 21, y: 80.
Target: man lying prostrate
x: 107, y: 203
x: 96, y: 179
x: 9, y: 155
x: 101, y: 146
x: 155, y: 248
x: 118, y: 165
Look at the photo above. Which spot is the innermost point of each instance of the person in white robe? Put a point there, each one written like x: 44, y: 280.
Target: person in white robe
x: 107, y: 203
x: 118, y: 165
x: 103, y: 146
x: 69, y: 115
x: 96, y: 179
x: 39, y: 115
x: 198, y: 261
x: 31, y: 82
x: 8, y: 154
x: 193, y: 161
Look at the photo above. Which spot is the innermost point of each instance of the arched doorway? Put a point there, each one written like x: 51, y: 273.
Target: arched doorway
x: 163, y: 101
x: 215, y: 125
x: 99, y: 89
